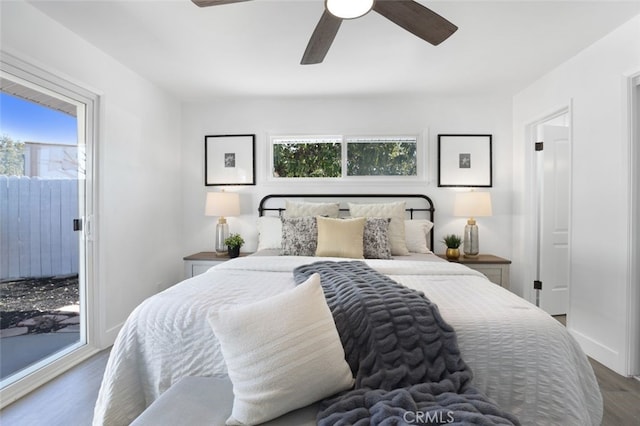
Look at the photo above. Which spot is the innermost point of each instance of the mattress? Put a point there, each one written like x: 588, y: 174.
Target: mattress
x: 521, y: 357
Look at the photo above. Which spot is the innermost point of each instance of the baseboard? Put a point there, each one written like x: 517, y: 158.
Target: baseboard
x: 606, y: 356
x: 109, y: 336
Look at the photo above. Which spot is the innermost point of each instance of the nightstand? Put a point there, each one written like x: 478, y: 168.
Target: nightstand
x: 198, y: 263
x: 493, y: 267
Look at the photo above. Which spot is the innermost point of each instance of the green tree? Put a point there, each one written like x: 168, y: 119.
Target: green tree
x: 11, y: 157
x: 307, y: 160
x: 381, y: 159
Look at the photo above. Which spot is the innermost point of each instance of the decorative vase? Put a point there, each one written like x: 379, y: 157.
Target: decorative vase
x: 233, y: 252
x: 453, y: 253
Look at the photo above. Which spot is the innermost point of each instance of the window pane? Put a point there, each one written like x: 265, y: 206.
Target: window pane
x: 42, y: 270
x: 381, y: 158
x: 302, y: 159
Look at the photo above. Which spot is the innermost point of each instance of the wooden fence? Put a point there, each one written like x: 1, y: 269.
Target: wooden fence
x: 36, y: 227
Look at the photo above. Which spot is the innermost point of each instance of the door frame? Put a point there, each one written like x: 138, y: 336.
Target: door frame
x: 40, y: 77
x: 632, y: 129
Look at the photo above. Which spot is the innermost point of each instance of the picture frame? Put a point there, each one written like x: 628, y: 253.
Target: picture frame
x: 465, y: 161
x: 229, y: 160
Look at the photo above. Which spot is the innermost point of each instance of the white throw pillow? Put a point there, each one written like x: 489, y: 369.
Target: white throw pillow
x: 394, y: 211
x: 269, y: 232
x: 282, y: 353
x: 417, y: 235
x: 303, y: 209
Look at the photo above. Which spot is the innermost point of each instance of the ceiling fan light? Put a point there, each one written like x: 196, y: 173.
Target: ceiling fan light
x: 349, y: 9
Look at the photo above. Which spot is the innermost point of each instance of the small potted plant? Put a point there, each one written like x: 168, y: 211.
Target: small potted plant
x: 233, y: 243
x: 452, y: 241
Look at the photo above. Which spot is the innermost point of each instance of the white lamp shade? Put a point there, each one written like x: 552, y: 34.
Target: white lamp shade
x: 349, y: 9
x: 222, y: 204
x: 472, y: 204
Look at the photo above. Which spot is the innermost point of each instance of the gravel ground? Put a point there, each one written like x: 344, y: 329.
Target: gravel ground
x: 26, y: 298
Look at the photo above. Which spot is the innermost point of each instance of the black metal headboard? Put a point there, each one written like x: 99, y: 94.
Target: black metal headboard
x: 423, y: 203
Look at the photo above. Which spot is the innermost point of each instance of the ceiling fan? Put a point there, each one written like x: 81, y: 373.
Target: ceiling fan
x: 409, y: 14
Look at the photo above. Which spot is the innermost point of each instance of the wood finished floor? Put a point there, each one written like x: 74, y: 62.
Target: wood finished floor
x: 69, y: 399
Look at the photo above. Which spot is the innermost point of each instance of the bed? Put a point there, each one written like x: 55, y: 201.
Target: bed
x: 521, y: 358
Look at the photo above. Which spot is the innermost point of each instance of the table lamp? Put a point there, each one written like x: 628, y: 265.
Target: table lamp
x: 472, y: 204
x: 222, y: 204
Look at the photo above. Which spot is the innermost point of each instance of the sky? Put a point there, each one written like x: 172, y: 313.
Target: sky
x: 26, y: 121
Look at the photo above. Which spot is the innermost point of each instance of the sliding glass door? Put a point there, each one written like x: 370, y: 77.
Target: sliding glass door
x: 43, y: 209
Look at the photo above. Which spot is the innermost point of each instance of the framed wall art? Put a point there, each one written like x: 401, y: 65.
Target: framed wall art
x: 465, y: 161
x: 229, y: 160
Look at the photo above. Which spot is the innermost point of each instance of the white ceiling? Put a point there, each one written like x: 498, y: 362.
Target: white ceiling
x: 254, y: 48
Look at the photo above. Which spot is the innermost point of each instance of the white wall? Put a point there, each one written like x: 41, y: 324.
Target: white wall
x: 593, y: 82
x: 346, y: 116
x: 139, y: 199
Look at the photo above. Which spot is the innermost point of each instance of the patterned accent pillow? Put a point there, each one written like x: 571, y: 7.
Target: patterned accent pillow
x: 299, y: 236
x: 376, y: 238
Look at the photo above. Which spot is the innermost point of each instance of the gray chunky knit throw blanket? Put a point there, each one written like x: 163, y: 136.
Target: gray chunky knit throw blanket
x: 404, y: 356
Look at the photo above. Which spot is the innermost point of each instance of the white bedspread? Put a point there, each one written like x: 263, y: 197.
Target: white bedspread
x: 520, y: 356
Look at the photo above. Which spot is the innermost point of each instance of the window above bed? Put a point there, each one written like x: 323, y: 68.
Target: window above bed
x: 339, y: 157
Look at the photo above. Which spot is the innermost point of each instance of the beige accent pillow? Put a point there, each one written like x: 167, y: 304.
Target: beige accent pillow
x: 396, y: 212
x: 417, y: 235
x: 340, y: 237
x: 282, y: 353
x: 302, y: 209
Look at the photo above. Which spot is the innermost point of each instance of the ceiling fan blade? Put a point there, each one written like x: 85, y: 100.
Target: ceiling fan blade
x: 206, y: 3
x: 416, y: 19
x: 321, y: 39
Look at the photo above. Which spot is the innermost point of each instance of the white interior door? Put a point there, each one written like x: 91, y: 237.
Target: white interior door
x: 555, y: 187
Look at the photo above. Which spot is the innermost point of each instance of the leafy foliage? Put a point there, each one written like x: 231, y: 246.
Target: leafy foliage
x: 452, y: 241
x: 323, y: 159
x: 381, y: 159
x: 234, y: 240
x: 307, y: 160
x: 11, y: 157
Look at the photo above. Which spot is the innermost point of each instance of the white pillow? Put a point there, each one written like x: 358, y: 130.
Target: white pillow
x: 269, y: 232
x: 282, y: 353
x: 302, y: 209
x: 417, y: 235
x: 394, y: 211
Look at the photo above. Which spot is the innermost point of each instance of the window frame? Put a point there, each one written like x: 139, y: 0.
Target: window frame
x: 420, y: 139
